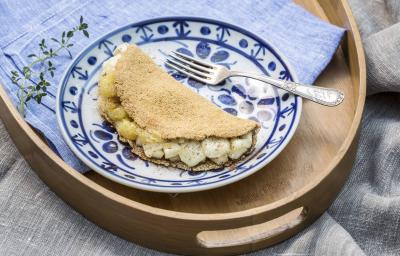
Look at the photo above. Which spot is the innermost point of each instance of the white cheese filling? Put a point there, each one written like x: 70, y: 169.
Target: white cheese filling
x: 193, y: 152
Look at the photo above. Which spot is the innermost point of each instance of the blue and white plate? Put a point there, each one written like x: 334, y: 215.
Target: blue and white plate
x: 95, y: 142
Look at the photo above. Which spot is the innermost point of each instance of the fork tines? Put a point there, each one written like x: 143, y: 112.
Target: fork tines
x: 189, y: 66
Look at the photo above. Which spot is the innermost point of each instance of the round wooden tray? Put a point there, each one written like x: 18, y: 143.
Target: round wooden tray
x: 261, y: 210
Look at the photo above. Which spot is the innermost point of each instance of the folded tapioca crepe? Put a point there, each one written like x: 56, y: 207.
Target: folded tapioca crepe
x: 166, y: 122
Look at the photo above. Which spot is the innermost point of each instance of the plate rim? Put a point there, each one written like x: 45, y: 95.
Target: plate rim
x: 278, y: 54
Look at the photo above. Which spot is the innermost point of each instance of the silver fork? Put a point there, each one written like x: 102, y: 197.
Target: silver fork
x: 214, y: 74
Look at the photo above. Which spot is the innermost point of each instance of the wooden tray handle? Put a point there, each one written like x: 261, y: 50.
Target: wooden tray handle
x: 260, y: 233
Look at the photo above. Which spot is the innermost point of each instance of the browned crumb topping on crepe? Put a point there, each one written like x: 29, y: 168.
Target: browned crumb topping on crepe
x: 166, y: 122
x: 160, y: 104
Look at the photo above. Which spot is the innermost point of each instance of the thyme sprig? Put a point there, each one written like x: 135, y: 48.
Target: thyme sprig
x: 33, y: 81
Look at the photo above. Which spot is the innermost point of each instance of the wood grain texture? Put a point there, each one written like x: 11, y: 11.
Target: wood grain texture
x: 308, y: 173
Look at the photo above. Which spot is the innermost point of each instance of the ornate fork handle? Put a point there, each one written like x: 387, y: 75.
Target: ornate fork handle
x: 325, y: 96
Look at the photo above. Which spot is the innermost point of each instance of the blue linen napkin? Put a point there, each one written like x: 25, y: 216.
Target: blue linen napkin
x: 307, y: 42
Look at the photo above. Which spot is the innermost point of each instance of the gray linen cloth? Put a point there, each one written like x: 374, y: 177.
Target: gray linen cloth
x: 363, y: 220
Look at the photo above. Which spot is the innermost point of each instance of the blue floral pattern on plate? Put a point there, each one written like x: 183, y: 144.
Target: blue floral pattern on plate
x: 96, y: 143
